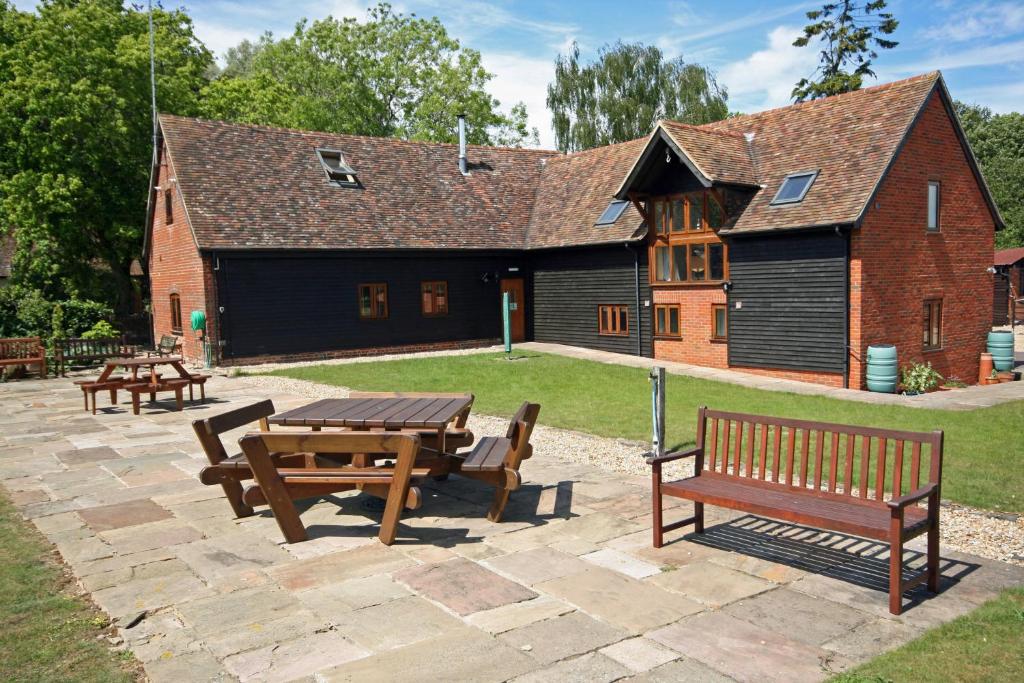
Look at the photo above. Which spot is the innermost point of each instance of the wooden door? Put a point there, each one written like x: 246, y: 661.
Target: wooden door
x: 517, y: 307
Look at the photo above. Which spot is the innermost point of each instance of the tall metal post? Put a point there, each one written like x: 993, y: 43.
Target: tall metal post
x: 657, y: 378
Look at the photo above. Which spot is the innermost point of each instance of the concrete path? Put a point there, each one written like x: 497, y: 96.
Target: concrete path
x: 567, y: 587
x: 968, y: 398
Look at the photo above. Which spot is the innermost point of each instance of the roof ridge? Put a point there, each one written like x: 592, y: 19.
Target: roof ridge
x: 702, y: 128
x: 302, y: 131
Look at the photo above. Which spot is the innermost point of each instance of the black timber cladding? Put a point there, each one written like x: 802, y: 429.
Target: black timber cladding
x: 569, y: 285
x: 280, y: 303
x: 788, y: 301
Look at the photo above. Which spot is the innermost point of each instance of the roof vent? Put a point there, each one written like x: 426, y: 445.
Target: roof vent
x: 337, y: 170
x: 463, y: 164
x: 749, y: 137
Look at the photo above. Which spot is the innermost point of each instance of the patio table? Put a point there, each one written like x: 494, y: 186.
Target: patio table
x: 133, y: 364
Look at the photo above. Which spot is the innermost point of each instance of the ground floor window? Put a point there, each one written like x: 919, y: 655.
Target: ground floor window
x: 373, y: 301
x: 613, y: 320
x: 175, y: 314
x: 719, y: 321
x: 666, y: 320
x: 932, y: 324
x: 434, y: 298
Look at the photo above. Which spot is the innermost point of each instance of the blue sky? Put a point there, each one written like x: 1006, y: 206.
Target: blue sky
x: 979, y: 46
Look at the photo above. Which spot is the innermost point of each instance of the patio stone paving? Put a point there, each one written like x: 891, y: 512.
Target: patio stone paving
x: 568, y: 587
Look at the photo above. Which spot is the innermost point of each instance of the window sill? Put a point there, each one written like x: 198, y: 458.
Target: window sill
x: 932, y: 350
x: 718, y: 340
x: 612, y: 334
x: 706, y: 283
x: 668, y: 337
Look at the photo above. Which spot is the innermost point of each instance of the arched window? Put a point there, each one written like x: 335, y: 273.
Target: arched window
x: 175, y: 314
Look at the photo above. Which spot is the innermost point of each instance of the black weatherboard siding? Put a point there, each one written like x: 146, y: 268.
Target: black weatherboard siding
x: 277, y: 303
x: 569, y: 285
x: 792, y: 293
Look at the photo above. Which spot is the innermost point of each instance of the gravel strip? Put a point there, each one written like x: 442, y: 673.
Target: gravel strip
x: 997, y: 536
x: 268, y: 367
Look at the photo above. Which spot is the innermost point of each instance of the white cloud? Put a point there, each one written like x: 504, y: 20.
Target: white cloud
x: 1002, y: 98
x: 985, y: 20
x: 518, y: 78
x: 766, y: 78
x: 986, y: 55
x: 696, y: 27
x: 219, y: 37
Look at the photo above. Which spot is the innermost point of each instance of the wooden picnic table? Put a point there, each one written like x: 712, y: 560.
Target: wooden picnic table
x: 133, y: 364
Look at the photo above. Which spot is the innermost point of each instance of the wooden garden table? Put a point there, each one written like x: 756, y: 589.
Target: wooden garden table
x: 133, y: 364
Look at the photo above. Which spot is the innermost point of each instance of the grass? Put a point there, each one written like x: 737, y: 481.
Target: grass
x: 984, y: 645
x: 46, y: 634
x: 981, y: 446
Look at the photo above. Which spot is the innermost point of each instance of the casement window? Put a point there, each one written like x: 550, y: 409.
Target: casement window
x: 175, y: 314
x: 719, y: 321
x: 934, y: 205
x: 168, y: 206
x: 434, y: 298
x: 613, y: 320
x: 373, y: 301
x: 685, y: 247
x: 666, y: 320
x: 337, y: 169
x: 932, y: 324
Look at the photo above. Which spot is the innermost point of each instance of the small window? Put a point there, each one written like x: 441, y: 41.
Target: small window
x: 373, y: 301
x: 613, y: 320
x: 697, y: 262
x: 795, y: 187
x: 695, y: 202
x: 716, y: 261
x: 434, y: 298
x: 336, y: 168
x: 933, y: 324
x: 612, y: 213
x: 719, y: 321
x: 168, y: 206
x: 659, y: 218
x: 934, y: 192
x: 175, y: 314
x: 666, y: 321
x: 677, y: 215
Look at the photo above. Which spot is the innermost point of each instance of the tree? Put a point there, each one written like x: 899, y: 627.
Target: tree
x: 392, y: 75
x: 75, y: 130
x: 998, y: 144
x: 849, y: 33
x: 625, y: 92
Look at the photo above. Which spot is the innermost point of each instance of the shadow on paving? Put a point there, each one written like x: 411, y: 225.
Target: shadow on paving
x: 852, y: 559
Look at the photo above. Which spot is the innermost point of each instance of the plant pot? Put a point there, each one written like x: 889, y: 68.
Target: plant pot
x: 988, y: 380
x: 1005, y: 376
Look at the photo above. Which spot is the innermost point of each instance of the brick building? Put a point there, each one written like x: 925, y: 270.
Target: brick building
x: 781, y: 243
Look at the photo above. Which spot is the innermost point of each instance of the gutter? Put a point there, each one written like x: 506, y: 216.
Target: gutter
x: 636, y: 276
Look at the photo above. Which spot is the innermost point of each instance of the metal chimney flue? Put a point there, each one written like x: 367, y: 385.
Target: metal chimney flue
x: 463, y: 164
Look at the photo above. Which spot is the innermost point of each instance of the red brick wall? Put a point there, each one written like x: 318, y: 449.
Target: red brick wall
x: 695, y: 345
x: 176, y: 266
x: 896, y: 264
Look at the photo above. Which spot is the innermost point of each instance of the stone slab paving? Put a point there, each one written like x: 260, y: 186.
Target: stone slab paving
x: 568, y: 587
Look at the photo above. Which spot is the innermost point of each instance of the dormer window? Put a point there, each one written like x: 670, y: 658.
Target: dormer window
x: 337, y: 170
x: 795, y: 187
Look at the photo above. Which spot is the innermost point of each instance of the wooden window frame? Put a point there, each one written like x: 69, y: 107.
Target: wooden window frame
x: 169, y: 205
x: 668, y: 334
x: 714, y: 322
x: 931, y: 307
x: 433, y: 298
x: 374, y: 287
x: 175, y: 300
x: 614, y: 329
x: 938, y: 207
x: 660, y: 211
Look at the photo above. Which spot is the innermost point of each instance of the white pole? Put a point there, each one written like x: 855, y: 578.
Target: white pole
x: 152, y: 78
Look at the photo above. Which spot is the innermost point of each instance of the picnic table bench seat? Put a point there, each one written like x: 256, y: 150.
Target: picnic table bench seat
x: 15, y: 351
x: 91, y: 387
x: 175, y: 385
x: 863, y: 481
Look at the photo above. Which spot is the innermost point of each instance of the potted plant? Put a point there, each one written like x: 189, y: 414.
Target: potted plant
x: 917, y: 378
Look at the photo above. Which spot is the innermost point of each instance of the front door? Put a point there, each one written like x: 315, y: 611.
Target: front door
x: 517, y: 307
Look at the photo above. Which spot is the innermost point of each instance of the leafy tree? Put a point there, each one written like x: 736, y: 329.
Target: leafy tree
x: 625, y: 92
x: 998, y: 144
x: 849, y: 33
x: 393, y: 75
x: 75, y: 134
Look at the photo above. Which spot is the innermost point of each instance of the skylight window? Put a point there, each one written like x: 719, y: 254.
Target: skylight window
x: 336, y: 169
x: 795, y: 187
x: 612, y: 213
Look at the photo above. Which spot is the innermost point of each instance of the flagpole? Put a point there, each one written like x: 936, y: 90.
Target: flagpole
x: 152, y: 78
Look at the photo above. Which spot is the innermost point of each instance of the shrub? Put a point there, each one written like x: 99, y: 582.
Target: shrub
x: 920, y: 377
x: 101, y: 330
x: 80, y: 315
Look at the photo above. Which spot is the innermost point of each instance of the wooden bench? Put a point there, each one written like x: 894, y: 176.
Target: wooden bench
x: 23, y: 351
x: 856, y: 480
x: 168, y: 346
x: 91, y: 387
x: 138, y: 388
x: 78, y: 350
x: 196, y: 379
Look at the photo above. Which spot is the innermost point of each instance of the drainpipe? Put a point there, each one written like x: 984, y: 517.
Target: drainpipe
x: 846, y: 322
x: 636, y: 278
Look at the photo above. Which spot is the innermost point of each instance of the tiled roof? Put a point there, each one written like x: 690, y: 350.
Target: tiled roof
x: 850, y: 139
x: 1008, y: 257
x: 721, y: 156
x: 575, y: 190
x: 253, y: 187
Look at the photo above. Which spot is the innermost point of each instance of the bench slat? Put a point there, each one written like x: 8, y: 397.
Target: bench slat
x: 488, y: 455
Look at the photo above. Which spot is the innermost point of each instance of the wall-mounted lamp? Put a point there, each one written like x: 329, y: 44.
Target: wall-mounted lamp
x: 727, y: 286
x: 991, y: 270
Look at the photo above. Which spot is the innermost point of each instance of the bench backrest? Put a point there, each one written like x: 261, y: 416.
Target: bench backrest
x: 521, y: 427
x: 168, y: 342
x: 76, y: 347
x: 208, y: 430
x: 21, y: 347
x: 460, y: 419
x: 864, y: 462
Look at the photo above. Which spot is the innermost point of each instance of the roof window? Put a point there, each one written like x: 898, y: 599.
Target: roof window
x: 795, y: 187
x: 336, y: 169
x: 612, y: 213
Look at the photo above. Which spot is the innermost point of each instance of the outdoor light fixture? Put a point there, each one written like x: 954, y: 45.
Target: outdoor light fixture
x: 991, y: 270
x: 726, y: 286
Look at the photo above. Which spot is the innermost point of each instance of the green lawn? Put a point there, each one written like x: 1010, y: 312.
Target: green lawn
x: 45, y: 633
x: 981, y: 453
x: 985, y: 645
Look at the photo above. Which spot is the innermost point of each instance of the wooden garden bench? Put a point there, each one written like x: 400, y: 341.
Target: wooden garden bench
x: 168, y: 346
x: 78, y: 350
x: 23, y: 351
x: 850, y: 479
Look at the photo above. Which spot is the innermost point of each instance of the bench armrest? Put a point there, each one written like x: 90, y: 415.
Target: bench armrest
x: 901, y: 502
x: 675, y: 455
